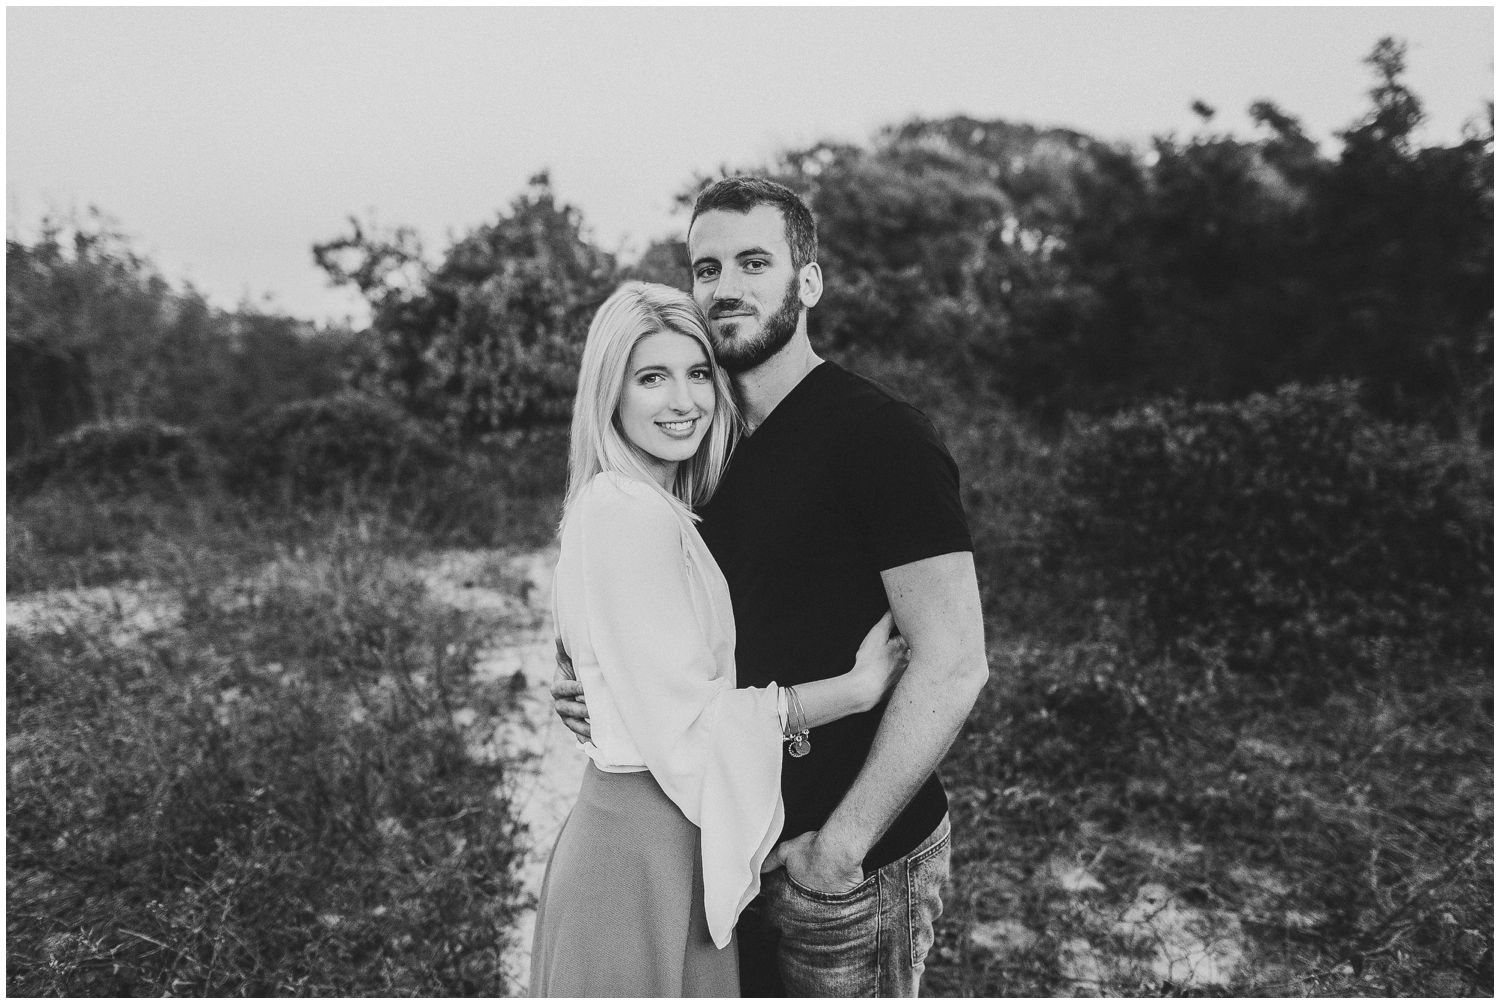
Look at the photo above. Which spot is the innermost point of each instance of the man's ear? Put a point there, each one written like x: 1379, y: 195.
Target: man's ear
x: 810, y: 284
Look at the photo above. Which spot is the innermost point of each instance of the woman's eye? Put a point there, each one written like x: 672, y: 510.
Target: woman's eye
x: 701, y: 374
x: 650, y: 379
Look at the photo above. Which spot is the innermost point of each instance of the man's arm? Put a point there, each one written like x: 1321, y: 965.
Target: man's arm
x: 937, y: 608
x: 567, y: 697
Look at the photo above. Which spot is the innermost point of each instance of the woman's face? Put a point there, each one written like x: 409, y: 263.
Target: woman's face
x: 667, y: 402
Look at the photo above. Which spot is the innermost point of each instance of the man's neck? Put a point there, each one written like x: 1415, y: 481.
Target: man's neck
x: 764, y: 387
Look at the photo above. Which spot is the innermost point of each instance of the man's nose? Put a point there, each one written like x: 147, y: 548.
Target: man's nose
x: 728, y: 286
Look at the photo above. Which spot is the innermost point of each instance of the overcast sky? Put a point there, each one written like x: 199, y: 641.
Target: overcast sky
x: 227, y: 141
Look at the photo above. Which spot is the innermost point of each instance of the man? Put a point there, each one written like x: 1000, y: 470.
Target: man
x: 840, y: 502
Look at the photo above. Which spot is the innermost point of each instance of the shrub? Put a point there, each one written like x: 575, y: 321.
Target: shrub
x: 334, y: 448
x: 507, y: 492
x: 1284, y: 532
x: 120, y: 456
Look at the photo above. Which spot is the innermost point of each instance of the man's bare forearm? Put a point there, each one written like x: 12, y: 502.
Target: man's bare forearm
x: 936, y: 605
x: 926, y: 710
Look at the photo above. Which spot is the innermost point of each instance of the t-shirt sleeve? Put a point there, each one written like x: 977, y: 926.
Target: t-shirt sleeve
x: 901, y: 488
x: 715, y: 750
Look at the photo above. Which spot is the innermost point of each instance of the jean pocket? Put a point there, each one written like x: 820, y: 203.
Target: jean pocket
x: 926, y: 871
x: 816, y: 895
x: 829, y: 942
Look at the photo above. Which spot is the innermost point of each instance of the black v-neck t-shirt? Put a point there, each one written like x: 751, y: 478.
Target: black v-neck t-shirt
x: 840, y: 481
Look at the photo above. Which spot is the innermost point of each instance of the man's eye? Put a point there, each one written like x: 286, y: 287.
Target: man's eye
x: 707, y: 272
x: 755, y: 265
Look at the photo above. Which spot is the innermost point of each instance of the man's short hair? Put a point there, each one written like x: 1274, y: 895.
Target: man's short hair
x: 740, y: 195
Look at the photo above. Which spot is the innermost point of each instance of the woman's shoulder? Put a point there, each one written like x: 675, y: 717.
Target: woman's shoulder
x: 612, y: 497
x: 617, y: 481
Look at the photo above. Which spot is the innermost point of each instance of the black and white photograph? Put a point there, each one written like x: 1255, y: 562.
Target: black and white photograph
x: 785, y: 501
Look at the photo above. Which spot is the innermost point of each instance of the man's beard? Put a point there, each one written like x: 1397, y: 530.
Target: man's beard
x: 738, y: 356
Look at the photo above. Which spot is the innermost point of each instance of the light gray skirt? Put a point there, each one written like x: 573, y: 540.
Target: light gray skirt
x: 621, y: 910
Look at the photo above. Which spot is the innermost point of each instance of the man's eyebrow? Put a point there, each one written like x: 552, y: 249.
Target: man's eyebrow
x: 750, y: 252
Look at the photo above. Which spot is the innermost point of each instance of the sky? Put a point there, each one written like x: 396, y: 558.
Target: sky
x: 226, y: 141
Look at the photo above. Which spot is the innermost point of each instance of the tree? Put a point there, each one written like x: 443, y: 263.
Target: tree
x: 85, y: 323
x: 94, y: 332
x: 1224, y: 266
x: 664, y: 261
x: 491, y: 337
x: 938, y: 242
x: 1405, y: 255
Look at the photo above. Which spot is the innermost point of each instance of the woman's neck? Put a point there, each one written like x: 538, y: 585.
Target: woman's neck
x: 663, y: 473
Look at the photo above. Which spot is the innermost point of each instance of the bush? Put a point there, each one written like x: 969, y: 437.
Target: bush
x: 334, y: 448
x: 1284, y: 532
x: 507, y: 492
x: 123, y: 456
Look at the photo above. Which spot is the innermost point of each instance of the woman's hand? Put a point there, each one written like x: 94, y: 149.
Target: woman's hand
x: 880, y: 661
x: 878, y: 664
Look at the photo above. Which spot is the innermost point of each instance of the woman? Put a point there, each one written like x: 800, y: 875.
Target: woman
x: 681, y: 799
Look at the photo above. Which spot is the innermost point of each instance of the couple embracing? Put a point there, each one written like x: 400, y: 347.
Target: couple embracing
x: 744, y: 522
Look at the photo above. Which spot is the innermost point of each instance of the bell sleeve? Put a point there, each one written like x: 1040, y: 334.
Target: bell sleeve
x: 714, y: 749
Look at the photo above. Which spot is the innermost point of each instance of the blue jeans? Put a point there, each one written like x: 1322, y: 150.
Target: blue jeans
x: 871, y: 941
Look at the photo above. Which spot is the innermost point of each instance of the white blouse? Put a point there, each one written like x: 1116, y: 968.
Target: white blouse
x: 644, y: 612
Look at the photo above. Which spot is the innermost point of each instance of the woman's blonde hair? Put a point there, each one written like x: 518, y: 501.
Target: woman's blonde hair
x: 596, y: 444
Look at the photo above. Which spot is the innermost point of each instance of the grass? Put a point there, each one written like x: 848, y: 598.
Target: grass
x: 1342, y: 850
x: 265, y: 786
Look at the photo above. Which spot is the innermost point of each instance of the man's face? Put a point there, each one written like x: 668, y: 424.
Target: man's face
x: 744, y: 281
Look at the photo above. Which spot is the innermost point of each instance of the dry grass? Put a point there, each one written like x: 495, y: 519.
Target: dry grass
x: 259, y: 782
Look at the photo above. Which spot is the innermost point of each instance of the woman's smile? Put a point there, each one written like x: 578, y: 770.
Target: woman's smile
x: 678, y: 428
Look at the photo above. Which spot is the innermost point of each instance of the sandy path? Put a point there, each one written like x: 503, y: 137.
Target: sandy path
x: 545, y: 767
x: 545, y: 761
x: 545, y: 786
